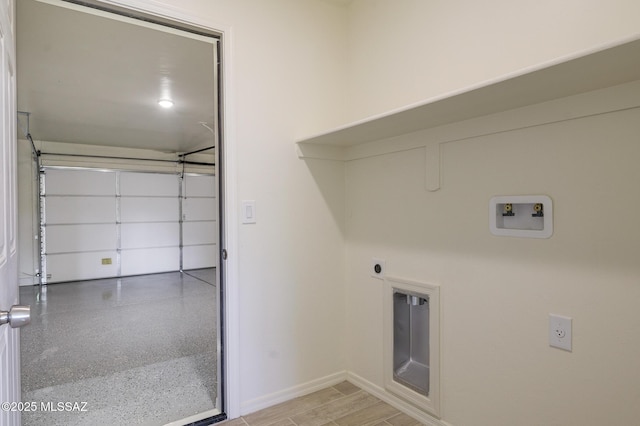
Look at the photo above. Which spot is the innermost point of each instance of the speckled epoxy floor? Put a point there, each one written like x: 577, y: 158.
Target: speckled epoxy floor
x: 138, y: 350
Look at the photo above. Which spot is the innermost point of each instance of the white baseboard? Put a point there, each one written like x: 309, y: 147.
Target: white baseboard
x: 292, y: 392
x: 284, y: 395
x: 394, y: 401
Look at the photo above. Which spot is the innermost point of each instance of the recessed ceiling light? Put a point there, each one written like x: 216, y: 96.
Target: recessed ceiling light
x: 165, y: 103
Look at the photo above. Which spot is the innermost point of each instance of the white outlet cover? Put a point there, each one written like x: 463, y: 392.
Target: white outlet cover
x: 375, y: 274
x: 560, y: 332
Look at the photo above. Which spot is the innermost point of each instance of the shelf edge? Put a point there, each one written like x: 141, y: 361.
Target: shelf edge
x: 345, y: 134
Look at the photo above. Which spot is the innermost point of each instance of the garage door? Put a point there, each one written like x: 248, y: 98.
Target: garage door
x: 100, y: 224
x: 200, y: 222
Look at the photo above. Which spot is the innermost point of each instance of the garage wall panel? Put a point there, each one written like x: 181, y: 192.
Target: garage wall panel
x: 197, y: 257
x: 200, y: 222
x: 199, y: 186
x: 144, y: 235
x: 149, y: 184
x: 149, y: 209
x: 199, y: 209
x: 148, y: 261
x: 81, y: 266
x: 196, y: 233
x: 74, y: 210
x: 80, y: 238
x: 80, y: 182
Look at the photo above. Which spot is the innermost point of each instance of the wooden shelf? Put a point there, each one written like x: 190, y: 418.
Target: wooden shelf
x: 598, y: 68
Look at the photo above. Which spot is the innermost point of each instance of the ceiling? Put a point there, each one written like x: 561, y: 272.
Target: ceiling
x: 89, y: 79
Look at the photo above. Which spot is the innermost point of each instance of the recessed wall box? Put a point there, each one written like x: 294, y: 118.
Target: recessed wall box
x: 377, y: 268
x: 412, y: 342
x: 529, y: 216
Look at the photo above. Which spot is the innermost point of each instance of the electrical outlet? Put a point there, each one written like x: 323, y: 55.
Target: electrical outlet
x: 560, y: 332
x: 377, y: 268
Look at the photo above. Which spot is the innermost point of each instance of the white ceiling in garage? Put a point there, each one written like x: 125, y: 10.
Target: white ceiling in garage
x: 89, y: 79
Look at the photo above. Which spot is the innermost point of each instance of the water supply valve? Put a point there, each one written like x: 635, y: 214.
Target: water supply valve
x: 538, y: 210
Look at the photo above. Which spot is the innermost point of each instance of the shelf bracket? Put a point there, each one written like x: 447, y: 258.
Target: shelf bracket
x: 432, y: 173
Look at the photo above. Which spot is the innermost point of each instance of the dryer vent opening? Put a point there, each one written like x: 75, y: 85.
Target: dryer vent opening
x: 411, y: 341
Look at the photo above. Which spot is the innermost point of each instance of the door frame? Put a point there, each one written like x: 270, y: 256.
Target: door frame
x: 9, y: 337
x: 227, y: 189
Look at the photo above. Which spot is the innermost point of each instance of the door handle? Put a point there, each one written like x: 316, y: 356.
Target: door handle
x: 17, y: 316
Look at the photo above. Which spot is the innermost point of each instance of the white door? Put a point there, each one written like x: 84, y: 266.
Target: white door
x: 9, y: 337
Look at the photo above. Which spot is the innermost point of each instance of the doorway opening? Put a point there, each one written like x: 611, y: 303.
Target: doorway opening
x: 121, y: 214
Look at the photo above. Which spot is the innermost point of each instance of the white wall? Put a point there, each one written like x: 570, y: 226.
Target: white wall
x: 401, y: 52
x: 496, y: 293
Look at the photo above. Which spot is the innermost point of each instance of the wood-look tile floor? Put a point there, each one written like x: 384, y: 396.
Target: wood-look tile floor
x: 343, y: 405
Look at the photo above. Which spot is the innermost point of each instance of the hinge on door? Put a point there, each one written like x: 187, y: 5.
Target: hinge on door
x: 224, y: 254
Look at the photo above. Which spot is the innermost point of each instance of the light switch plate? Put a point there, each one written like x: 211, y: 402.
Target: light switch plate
x: 248, y: 211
